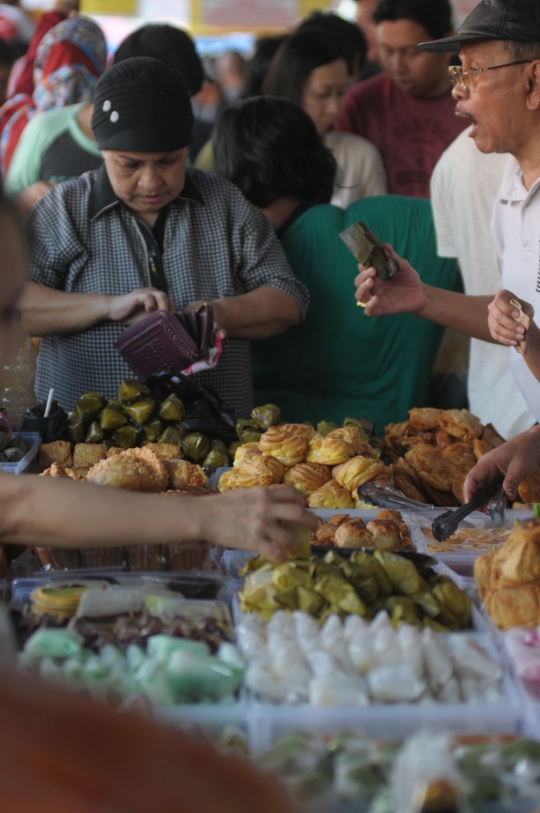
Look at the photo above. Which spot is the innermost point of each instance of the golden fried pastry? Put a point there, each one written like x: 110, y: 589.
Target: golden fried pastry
x: 337, y: 519
x: 242, y: 451
x: 395, y: 516
x: 444, y: 499
x: 165, y: 451
x: 304, y: 430
x: 409, y: 490
x: 461, y: 455
x: 529, y: 489
x: 519, y: 558
x: 434, y: 470
x: 352, y: 436
x: 289, y: 449
x: 57, y: 452
x: 443, y: 439
x: 86, y: 455
x: 57, y: 470
x: 480, y: 448
x: 404, y: 469
x: 425, y: 419
x: 396, y: 430
x: 114, y: 450
x: 328, y: 451
x: 259, y: 470
x: 483, y: 567
x: 182, y: 473
x: 228, y: 481
x: 491, y: 436
x: 385, y: 533
x: 125, y: 471
x: 161, y: 475
x: 517, y: 606
x: 353, y: 534
x: 330, y: 495
x: 357, y: 471
x: 307, y: 477
x: 461, y: 424
x: 325, y: 535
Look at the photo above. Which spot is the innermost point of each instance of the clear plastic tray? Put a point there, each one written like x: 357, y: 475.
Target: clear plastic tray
x: 397, y: 721
x: 32, y: 439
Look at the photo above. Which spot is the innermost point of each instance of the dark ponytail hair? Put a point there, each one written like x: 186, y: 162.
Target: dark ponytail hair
x: 270, y: 149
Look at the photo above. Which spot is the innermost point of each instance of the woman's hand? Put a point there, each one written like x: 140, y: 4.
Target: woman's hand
x: 403, y: 294
x: 516, y: 460
x: 131, y: 308
x: 249, y: 519
x: 503, y: 320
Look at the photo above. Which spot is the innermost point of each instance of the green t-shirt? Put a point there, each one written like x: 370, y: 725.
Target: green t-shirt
x: 53, y: 148
x: 341, y: 363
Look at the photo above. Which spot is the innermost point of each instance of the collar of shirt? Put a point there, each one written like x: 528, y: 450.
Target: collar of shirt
x: 104, y: 196
x: 516, y: 191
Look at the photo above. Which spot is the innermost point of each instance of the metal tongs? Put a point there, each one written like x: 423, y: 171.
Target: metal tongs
x: 447, y: 524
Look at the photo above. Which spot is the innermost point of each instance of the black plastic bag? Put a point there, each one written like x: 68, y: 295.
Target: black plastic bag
x: 51, y: 428
x: 205, y: 411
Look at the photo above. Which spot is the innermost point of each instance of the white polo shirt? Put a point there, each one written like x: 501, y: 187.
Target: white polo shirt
x: 516, y: 230
x: 464, y: 190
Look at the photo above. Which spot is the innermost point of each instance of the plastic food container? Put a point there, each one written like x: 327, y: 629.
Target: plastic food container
x: 31, y: 439
x: 145, y: 558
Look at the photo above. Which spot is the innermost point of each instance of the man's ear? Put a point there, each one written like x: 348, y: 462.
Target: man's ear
x: 533, y: 75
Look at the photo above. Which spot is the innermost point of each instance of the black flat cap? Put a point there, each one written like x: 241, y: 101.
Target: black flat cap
x: 511, y: 20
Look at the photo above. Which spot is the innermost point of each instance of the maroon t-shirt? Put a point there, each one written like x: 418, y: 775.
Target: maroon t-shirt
x: 411, y: 133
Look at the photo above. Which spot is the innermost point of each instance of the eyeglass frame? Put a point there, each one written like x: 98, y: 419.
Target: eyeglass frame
x: 460, y: 77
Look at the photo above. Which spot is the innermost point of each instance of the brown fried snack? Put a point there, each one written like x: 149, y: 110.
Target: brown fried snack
x: 126, y: 471
x: 289, y: 449
x: 159, y: 470
x: 483, y: 568
x: 352, y: 436
x: 325, y: 535
x: 86, y: 455
x: 460, y: 455
x: 409, y: 490
x: 259, y: 470
x: 57, y: 452
x: 443, y: 439
x: 242, y: 451
x: 444, y: 499
x: 307, y: 477
x: 57, y: 470
x: 480, y: 448
x: 517, y: 606
x: 357, y: 471
x: 425, y: 419
x: 304, y: 430
x: 354, y: 534
x: 328, y: 451
x: 165, y: 451
x: 395, y: 516
x: 404, y: 469
x: 491, y: 436
x: 434, y: 470
x: 529, y: 489
x: 385, y: 533
x: 228, y: 481
x: 461, y: 424
x: 338, y: 519
x: 114, y: 450
x: 330, y: 495
x: 182, y: 473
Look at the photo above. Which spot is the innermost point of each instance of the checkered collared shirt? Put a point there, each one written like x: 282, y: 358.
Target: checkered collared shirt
x: 82, y: 239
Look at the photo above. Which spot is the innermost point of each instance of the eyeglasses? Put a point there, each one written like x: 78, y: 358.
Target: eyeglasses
x: 461, y: 77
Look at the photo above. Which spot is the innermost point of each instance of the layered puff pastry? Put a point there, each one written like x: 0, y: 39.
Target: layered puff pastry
x: 330, y: 495
x: 425, y: 419
x: 288, y: 449
x: 357, y: 471
x: 385, y: 534
x: 307, y: 477
x: 245, y: 449
x: 259, y: 470
x: 351, y: 435
x: 228, y: 481
x: 304, y: 430
x: 461, y: 424
x: 460, y: 455
x: 328, y: 451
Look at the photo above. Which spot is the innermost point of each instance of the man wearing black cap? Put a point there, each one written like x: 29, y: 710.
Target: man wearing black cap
x: 498, y: 91
x: 143, y: 234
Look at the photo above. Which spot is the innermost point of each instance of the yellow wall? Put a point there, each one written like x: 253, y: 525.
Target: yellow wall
x: 129, y: 7
x: 305, y: 7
